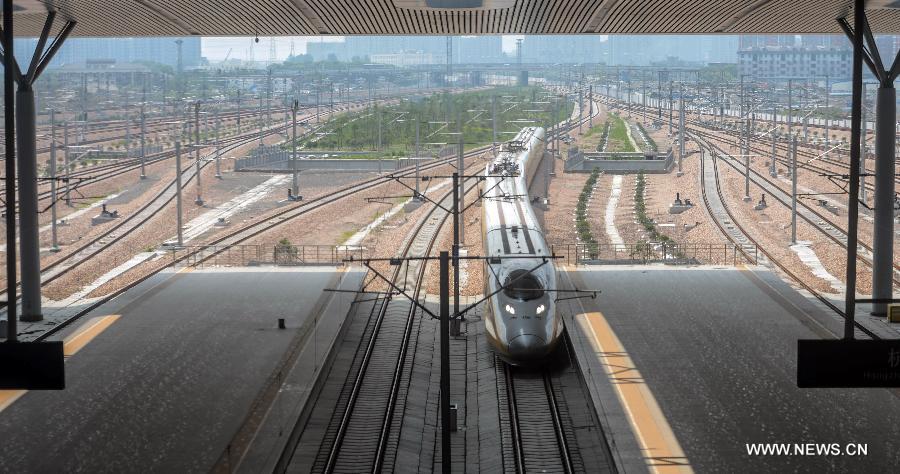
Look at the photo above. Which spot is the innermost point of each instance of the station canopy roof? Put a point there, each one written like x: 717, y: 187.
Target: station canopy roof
x: 447, y: 17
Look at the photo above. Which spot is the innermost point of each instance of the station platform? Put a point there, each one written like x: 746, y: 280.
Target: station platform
x: 168, y: 376
x: 690, y: 365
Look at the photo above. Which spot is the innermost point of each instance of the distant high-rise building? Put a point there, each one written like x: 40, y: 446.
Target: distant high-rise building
x: 762, y: 41
x: 562, y: 49
x: 643, y: 50
x: 798, y: 56
x: 795, y: 61
x: 478, y: 49
x: 82, y: 50
x: 414, y: 58
x: 466, y: 49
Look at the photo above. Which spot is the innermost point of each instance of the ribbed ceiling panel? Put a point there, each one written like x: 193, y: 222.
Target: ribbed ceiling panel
x: 382, y: 17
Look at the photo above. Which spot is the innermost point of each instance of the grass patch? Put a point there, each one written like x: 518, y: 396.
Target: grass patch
x: 618, y: 136
x: 345, y: 236
x: 360, y: 131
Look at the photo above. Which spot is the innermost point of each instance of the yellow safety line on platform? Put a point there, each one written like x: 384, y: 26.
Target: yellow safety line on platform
x: 86, y: 333
x: 660, y: 447
x: 72, y: 344
x: 7, y: 397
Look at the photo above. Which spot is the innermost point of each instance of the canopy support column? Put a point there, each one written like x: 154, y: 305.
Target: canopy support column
x: 26, y: 143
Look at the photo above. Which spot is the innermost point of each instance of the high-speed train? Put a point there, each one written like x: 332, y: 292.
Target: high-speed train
x: 521, y: 320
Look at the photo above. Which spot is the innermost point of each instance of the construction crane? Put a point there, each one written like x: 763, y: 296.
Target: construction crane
x: 227, y: 55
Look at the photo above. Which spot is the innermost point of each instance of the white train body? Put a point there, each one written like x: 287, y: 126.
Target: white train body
x: 521, y: 320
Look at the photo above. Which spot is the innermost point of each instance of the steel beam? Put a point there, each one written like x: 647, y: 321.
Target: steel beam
x: 10, y: 169
x: 853, y: 201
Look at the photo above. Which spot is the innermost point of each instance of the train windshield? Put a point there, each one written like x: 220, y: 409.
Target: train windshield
x: 522, y: 285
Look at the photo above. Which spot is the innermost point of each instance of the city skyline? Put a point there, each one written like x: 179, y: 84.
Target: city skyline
x: 625, y: 50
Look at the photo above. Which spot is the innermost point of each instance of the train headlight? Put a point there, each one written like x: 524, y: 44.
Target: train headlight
x: 510, y: 309
x: 540, y: 309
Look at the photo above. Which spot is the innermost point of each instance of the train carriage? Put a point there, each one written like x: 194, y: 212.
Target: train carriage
x: 521, y: 320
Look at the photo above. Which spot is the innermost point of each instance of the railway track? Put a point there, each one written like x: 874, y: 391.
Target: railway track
x: 151, y: 125
x: 808, y: 153
x: 808, y: 160
x: 84, y: 252
x: 56, y: 269
x: 725, y: 221
x: 111, y: 126
x: 828, y: 227
x: 364, y: 436
x: 825, y: 225
x: 361, y: 439
x: 362, y: 432
x: 810, y: 156
x: 88, y: 250
x: 537, y: 431
x: 96, y: 174
x: 248, y: 231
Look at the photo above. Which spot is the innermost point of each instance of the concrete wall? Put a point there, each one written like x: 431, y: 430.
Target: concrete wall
x: 579, y: 162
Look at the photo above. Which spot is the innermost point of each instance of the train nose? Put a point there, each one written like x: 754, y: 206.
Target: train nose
x: 527, y: 346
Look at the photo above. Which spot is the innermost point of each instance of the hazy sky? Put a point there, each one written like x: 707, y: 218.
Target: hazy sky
x: 215, y: 49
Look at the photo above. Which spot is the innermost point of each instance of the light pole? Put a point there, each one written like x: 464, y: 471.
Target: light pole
x: 681, y: 134
x: 591, y: 106
x: 417, y: 196
x: 261, y: 121
x: 127, y: 135
x: 827, y: 93
x: 178, y: 205
x: 66, y: 159
x: 218, y: 148
x: 295, y: 189
x: 793, y: 190
x: 772, y: 171
x: 671, y: 106
x: 494, y: 124
x: 199, y: 200
x: 790, y: 111
x: 55, y: 244
x: 143, y: 143
x: 239, y: 108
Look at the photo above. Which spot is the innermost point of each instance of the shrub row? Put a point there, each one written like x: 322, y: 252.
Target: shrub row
x: 647, y: 139
x: 582, y: 226
x: 641, y: 210
x: 601, y: 146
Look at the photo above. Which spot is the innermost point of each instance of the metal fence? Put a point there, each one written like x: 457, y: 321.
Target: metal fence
x: 658, y: 252
x: 258, y: 255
